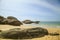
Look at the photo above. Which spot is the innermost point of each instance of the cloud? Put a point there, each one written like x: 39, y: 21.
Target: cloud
x: 47, y: 5
x: 16, y: 4
x: 23, y: 8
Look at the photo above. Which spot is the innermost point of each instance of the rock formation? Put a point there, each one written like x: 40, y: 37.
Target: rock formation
x: 13, y: 21
x: 10, y: 20
x: 37, y: 22
x: 18, y: 33
x: 29, y: 22
x: 54, y: 34
x: 0, y: 30
x: 1, y: 19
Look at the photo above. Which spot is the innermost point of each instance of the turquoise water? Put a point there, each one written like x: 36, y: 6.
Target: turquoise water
x: 50, y: 24
x: 45, y: 24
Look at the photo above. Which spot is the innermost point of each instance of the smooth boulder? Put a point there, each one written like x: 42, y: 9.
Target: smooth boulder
x: 13, y: 21
x: 27, y: 22
x: 10, y: 20
x: 54, y: 34
x: 1, y: 19
x: 37, y: 22
x: 18, y: 33
x: 30, y: 22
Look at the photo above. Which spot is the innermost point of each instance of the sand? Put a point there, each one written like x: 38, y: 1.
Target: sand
x: 47, y: 37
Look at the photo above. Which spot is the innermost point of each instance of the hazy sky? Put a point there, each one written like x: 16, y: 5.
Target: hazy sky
x: 43, y: 10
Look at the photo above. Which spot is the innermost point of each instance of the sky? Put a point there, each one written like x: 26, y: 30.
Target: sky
x: 42, y: 10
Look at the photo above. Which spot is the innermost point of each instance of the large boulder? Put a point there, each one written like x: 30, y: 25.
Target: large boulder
x: 18, y: 33
x: 13, y: 21
x: 54, y: 34
x: 30, y: 22
x: 11, y: 17
x: 1, y: 19
x: 5, y: 21
x: 27, y: 21
x: 0, y: 30
x: 37, y: 22
x: 10, y: 20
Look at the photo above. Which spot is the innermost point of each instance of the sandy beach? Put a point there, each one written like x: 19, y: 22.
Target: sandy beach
x: 47, y: 37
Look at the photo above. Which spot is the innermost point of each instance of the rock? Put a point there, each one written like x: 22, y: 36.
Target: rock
x: 53, y: 34
x: 15, y: 23
x: 38, y: 30
x: 12, y: 33
x: 18, y: 33
x: 0, y: 30
x: 11, y: 17
x: 5, y: 21
x: 12, y: 21
x: 1, y: 19
x: 37, y: 22
x: 27, y: 22
x: 0, y: 33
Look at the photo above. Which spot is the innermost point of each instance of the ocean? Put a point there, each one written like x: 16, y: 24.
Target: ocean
x: 46, y: 24
x: 50, y: 24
